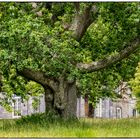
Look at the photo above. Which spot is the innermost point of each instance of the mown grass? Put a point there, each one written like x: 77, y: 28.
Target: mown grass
x: 41, y: 126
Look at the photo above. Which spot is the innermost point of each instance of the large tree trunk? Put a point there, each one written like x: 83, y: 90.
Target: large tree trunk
x: 62, y: 100
x: 71, y: 100
x: 49, y: 100
x: 60, y: 94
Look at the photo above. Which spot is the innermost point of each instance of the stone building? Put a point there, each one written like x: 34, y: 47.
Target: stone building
x: 122, y: 107
x: 21, y: 107
x: 119, y: 108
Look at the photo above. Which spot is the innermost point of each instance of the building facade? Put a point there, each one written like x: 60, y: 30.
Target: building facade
x: 21, y: 107
x: 108, y: 108
x: 123, y: 107
x: 119, y: 108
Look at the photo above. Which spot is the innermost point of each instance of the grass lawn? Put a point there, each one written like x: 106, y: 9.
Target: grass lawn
x: 87, y: 128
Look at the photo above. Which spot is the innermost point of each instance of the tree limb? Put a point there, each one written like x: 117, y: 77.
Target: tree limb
x: 77, y: 6
x: 95, y: 66
x: 82, y: 20
x: 38, y: 77
x: 55, y: 15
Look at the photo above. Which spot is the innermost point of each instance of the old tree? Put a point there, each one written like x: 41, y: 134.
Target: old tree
x: 68, y: 47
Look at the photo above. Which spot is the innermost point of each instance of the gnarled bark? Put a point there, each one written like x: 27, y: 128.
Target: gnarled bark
x: 82, y: 20
x: 71, y: 100
x: 65, y: 98
x: 60, y: 94
x: 62, y: 101
x: 49, y: 100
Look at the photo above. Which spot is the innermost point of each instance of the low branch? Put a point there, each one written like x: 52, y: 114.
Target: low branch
x: 95, y: 66
x: 38, y: 77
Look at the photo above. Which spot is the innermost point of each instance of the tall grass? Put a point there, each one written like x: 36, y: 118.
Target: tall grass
x: 52, y: 126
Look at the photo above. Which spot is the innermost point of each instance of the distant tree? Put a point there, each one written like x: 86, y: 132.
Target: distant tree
x: 135, y: 84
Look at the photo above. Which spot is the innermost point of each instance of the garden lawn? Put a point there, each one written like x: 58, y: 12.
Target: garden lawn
x: 87, y: 128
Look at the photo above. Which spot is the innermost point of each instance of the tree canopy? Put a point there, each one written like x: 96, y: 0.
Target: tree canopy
x: 50, y: 43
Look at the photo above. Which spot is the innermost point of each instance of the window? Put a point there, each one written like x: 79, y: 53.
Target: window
x: 134, y: 112
x: 16, y: 107
x: 118, y: 112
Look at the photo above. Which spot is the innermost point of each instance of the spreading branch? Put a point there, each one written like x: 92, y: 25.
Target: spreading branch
x: 38, y: 77
x: 98, y: 65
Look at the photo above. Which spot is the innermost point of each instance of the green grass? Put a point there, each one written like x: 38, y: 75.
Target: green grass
x: 39, y: 126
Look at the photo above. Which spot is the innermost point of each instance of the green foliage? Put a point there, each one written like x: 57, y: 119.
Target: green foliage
x: 35, y: 103
x: 15, y: 84
x: 115, y: 26
x: 43, y: 44
x: 135, y: 84
x: 34, y: 88
x: 6, y: 105
x: 28, y: 40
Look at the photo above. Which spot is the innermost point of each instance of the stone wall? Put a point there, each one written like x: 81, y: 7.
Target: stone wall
x: 106, y: 108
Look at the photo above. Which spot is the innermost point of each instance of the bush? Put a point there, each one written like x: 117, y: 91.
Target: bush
x: 34, y: 118
x: 45, y: 119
